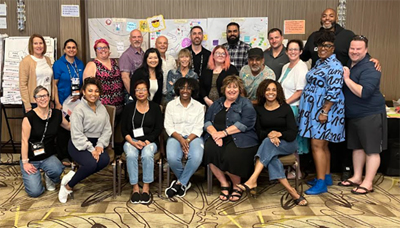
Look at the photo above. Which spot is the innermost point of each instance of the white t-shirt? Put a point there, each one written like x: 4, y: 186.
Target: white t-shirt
x: 153, y: 88
x: 167, y: 64
x: 295, y: 80
x: 44, y: 73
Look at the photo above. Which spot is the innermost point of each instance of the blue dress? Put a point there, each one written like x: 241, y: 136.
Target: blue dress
x: 324, y: 82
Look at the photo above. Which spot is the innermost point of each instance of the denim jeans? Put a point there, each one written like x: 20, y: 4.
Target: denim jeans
x: 33, y: 182
x: 268, y: 155
x: 147, y: 158
x: 175, y: 154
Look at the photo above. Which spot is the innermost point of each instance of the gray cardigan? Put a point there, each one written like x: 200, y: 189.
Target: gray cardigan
x: 85, y: 123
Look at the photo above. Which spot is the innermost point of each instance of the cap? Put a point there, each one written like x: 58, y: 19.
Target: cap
x: 255, y: 52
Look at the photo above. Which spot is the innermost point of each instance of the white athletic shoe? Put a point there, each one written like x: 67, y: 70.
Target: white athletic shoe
x: 50, y: 185
x: 64, y: 192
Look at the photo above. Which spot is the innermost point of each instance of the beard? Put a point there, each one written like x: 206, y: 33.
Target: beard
x: 333, y: 24
x: 233, y: 40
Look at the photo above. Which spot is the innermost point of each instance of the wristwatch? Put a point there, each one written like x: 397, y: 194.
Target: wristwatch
x: 188, y: 140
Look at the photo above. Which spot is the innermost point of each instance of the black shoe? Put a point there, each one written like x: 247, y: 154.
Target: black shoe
x: 182, y: 190
x: 346, y: 174
x: 135, y: 197
x: 172, y: 190
x: 145, y: 198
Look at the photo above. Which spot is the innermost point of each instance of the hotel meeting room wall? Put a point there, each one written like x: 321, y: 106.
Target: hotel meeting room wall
x: 376, y: 19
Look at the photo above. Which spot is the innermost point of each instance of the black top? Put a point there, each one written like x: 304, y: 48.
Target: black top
x: 37, y: 129
x: 141, y: 73
x: 152, y: 123
x: 220, y: 124
x: 198, y: 59
x: 343, y: 38
x: 280, y: 119
x: 206, y: 80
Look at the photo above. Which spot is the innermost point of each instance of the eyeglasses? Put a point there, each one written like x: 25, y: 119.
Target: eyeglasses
x: 140, y: 90
x: 360, y: 37
x: 293, y: 49
x: 187, y: 88
x: 325, y: 45
x: 42, y: 96
x: 102, y: 48
x: 220, y: 54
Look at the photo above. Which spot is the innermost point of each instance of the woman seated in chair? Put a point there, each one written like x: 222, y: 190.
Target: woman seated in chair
x: 141, y: 127
x: 231, y: 141
x: 39, y: 130
x: 184, y: 121
x: 276, y: 128
x: 90, y: 135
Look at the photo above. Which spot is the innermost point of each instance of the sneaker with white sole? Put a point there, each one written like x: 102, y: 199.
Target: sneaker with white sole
x: 50, y: 185
x: 64, y: 192
x: 182, y: 190
x: 172, y: 190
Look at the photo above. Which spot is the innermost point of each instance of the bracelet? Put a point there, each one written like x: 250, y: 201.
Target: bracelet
x: 25, y: 161
x: 188, y: 140
x: 226, y: 132
x: 324, y: 114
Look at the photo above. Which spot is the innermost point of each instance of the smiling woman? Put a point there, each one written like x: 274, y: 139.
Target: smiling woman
x: 34, y: 70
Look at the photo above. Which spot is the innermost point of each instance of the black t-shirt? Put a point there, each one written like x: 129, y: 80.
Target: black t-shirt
x: 37, y: 129
x: 200, y: 60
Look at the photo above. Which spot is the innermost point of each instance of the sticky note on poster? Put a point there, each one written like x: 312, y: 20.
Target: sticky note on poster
x: 130, y: 26
x: 156, y: 23
x: 294, y: 27
x: 143, y: 26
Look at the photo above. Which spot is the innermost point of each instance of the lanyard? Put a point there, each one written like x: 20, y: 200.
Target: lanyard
x: 201, y: 61
x: 75, y: 70
x: 133, y: 117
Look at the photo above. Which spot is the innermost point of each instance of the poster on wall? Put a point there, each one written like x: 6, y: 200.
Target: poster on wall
x: 253, y: 30
x: 116, y: 31
x: 177, y: 32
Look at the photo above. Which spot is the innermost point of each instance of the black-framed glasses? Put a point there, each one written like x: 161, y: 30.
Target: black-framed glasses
x: 325, y: 45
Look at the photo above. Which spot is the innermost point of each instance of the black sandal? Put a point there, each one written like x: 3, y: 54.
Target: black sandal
x: 224, y: 195
x: 298, y: 201
x: 251, y: 191
x: 239, y: 195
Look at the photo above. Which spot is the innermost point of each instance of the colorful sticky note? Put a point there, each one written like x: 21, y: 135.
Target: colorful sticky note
x: 130, y: 26
x: 186, y: 42
x: 247, y: 39
x: 215, y: 42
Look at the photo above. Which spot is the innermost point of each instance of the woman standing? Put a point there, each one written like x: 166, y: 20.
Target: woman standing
x: 34, y: 70
x: 277, y: 130
x: 39, y: 130
x: 141, y: 126
x: 219, y: 67
x: 293, y: 81
x: 321, y: 110
x: 184, y: 71
x: 68, y: 71
x: 90, y: 135
x: 107, y: 71
x: 151, y: 73
x: 231, y: 141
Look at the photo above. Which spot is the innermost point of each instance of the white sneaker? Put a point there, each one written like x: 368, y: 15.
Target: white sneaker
x: 64, y: 192
x: 50, y: 185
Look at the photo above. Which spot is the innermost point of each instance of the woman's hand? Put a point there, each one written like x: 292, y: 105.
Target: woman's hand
x: 219, y: 142
x: 274, y: 134
x: 275, y: 141
x: 29, y: 168
x: 74, y: 98
x: 208, y: 101
x: 218, y: 135
x: 322, y: 118
x: 138, y: 144
x: 96, y: 155
x: 184, y: 145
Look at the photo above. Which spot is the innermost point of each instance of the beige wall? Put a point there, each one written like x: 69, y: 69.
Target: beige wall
x: 377, y: 19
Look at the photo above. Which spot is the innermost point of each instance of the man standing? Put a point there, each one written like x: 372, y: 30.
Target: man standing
x: 200, y: 55
x: 168, y: 61
x: 132, y: 58
x: 366, y: 116
x: 254, y: 73
x: 275, y: 56
x: 342, y: 39
x: 237, y: 49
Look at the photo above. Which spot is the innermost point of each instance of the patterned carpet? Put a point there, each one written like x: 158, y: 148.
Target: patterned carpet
x: 93, y: 206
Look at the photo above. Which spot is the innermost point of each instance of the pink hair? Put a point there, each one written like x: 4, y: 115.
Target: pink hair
x: 101, y: 40
x: 211, y: 64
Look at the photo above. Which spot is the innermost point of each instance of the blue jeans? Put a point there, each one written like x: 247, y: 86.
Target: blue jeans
x: 268, y: 154
x: 33, y: 182
x: 175, y: 154
x: 147, y: 158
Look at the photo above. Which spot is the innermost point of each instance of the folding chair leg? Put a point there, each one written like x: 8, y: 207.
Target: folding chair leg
x: 209, y: 180
x: 114, y: 179
x: 298, y: 173
x: 119, y: 177
x: 168, y: 177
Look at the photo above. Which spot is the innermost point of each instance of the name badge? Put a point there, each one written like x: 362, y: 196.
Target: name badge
x: 38, y: 151
x: 138, y: 132
x: 75, y: 81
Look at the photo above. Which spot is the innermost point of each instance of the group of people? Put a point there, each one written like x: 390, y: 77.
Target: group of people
x: 235, y: 108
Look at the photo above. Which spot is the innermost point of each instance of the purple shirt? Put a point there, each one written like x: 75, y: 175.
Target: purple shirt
x: 130, y: 60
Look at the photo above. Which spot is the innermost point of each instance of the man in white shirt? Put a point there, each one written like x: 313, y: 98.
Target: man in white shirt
x: 168, y: 62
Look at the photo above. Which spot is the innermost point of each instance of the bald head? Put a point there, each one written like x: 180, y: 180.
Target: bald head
x: 328, y: 18
x: 162, y: 44
x: 136, y: 38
